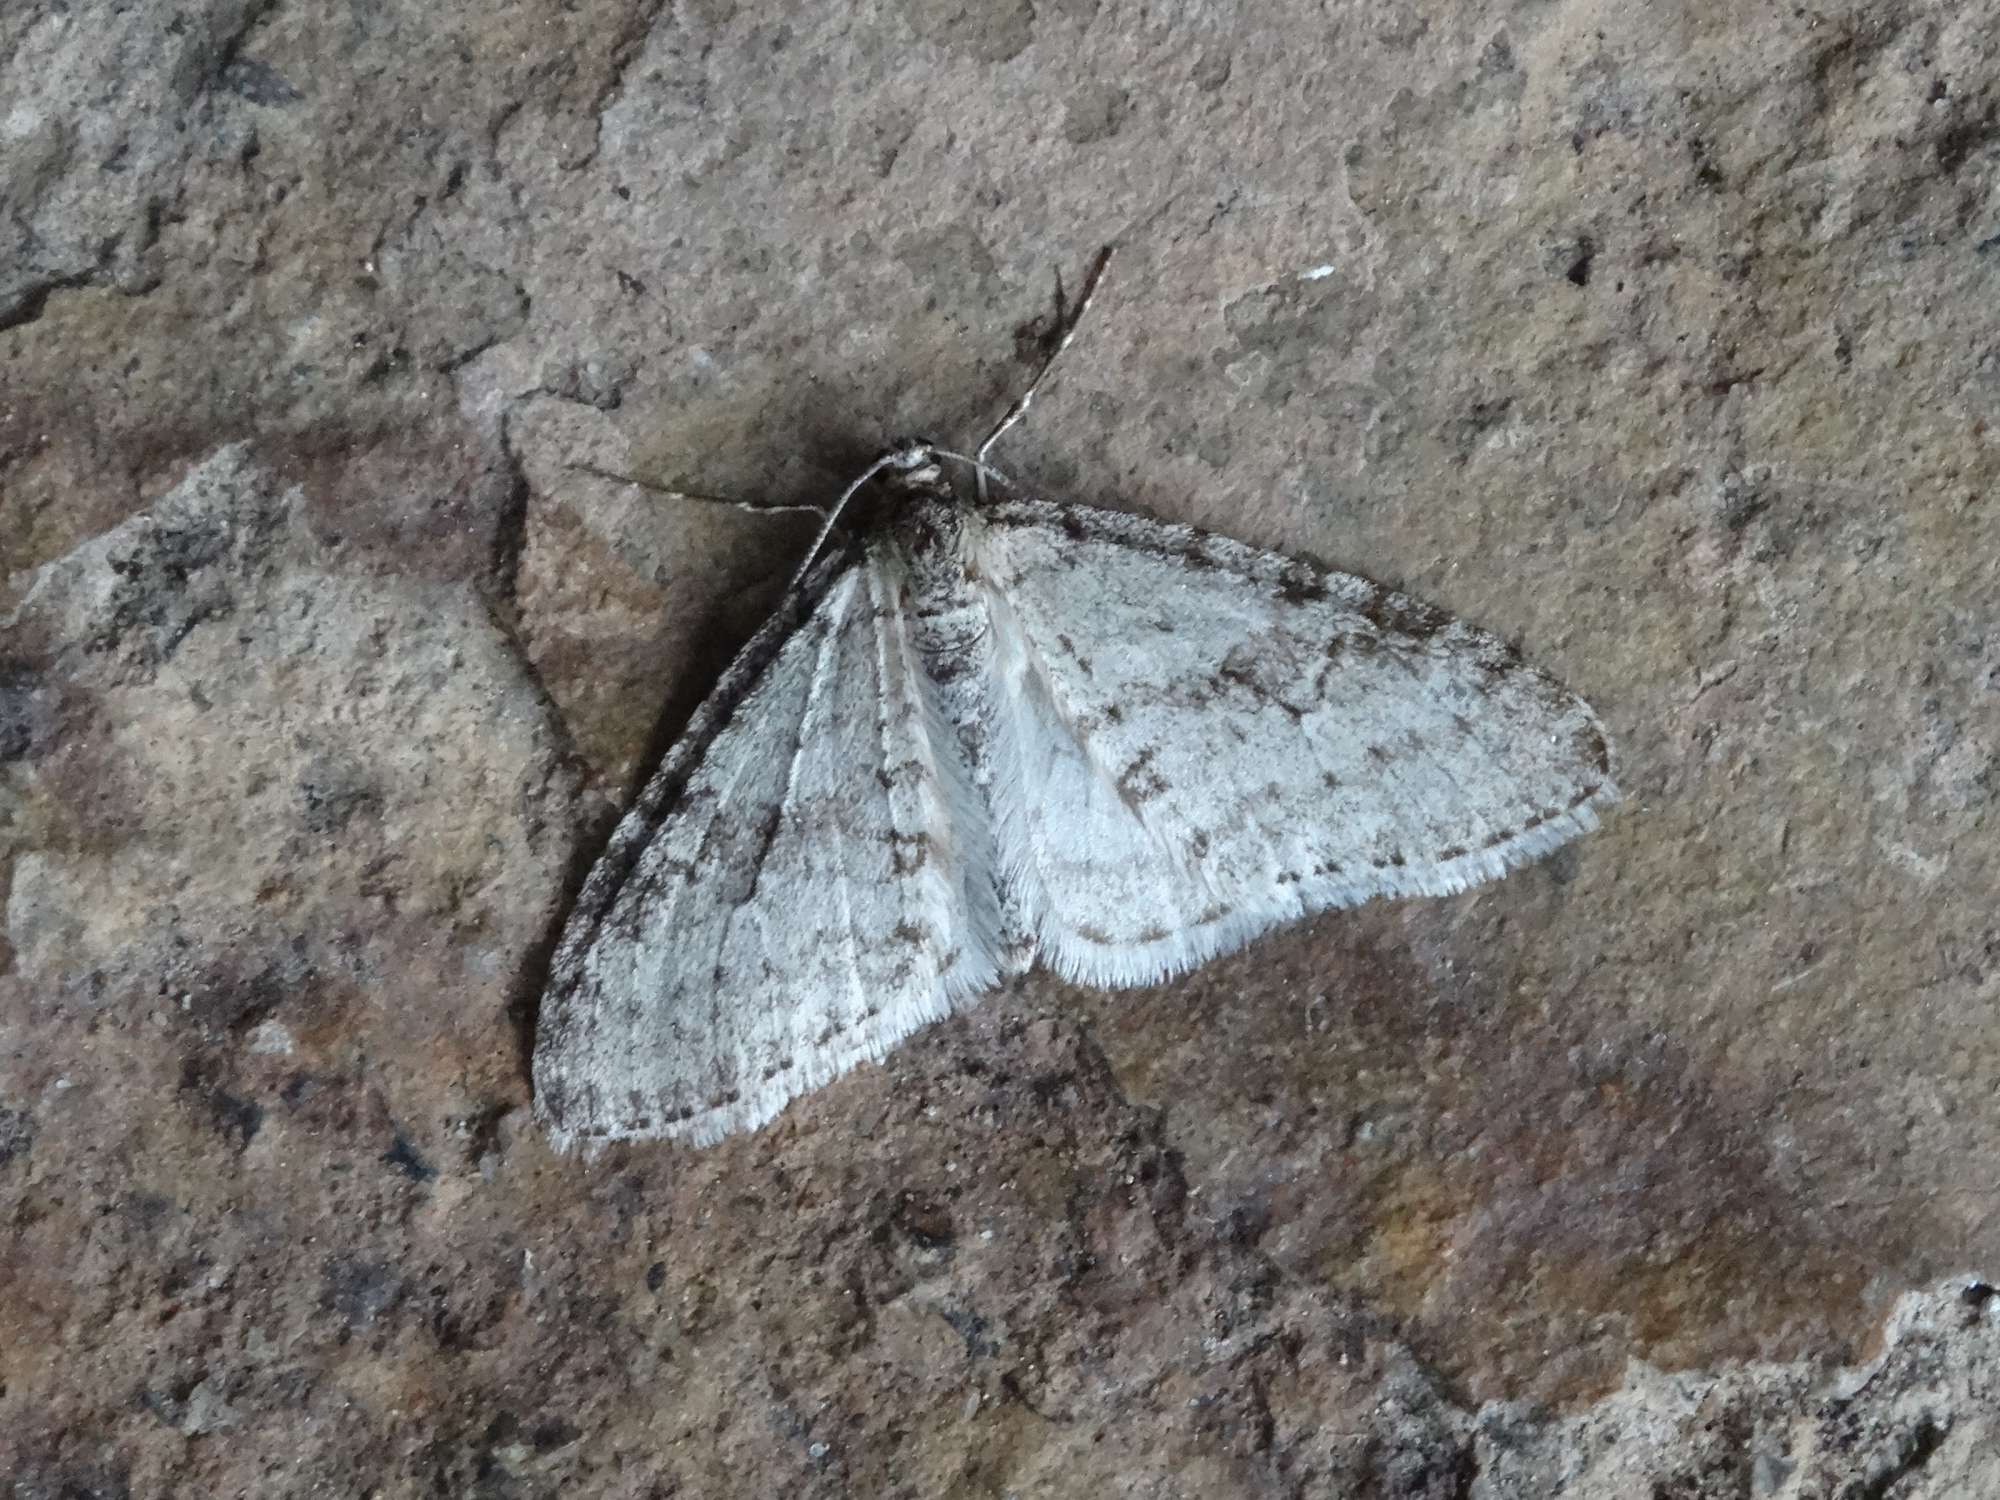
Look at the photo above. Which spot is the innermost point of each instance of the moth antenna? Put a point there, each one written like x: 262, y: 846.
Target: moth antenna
x: 1066, y: 330
x: 833, y: 513
x: 679, y: 494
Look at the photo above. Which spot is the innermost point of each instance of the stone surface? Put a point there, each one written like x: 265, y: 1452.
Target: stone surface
x: 1660, y: 341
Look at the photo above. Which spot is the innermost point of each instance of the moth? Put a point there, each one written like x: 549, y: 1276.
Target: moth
x: 983, y: 732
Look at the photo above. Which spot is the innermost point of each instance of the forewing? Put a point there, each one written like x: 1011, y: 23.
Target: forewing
x: 1214, y: 739
x: 785, y: 899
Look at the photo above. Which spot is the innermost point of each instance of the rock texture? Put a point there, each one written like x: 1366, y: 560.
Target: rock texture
x: 1659, y: 340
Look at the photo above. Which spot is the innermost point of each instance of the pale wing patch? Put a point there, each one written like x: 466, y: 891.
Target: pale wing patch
x: 786, y: 900
x: 1250, y: 740
x: 1111, y: 901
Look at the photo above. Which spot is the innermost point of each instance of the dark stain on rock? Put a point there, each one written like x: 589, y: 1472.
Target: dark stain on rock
x: 508, y: 1431
x: 330, y: 796
x: 258, y: 83
x: 17, y: 1135
x: 235, y: 1118
x: 925, y: 1223
x: 1537, y: 1172
x: 1577, y: 269
x: 404, y: 1158
x: 969, y: 1326
x: 225, y: 1001
x: 359, y: 1290
x: 24, y: 720
x: 1480, y: 418
x: 1967, y: 136
x: 157, y: 602
x: 1097, y: 113
x: 1706, y: 174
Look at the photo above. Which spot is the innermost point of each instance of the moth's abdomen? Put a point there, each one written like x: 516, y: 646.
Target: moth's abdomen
x: 949, y: 626
x: 947, y: 615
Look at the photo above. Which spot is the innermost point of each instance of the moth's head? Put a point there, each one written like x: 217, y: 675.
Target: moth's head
x: 911, y: 465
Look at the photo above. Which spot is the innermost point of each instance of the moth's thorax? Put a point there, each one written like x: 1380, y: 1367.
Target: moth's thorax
x: 929, y: 531
x: 946, y: 613
x: 925, y: 521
